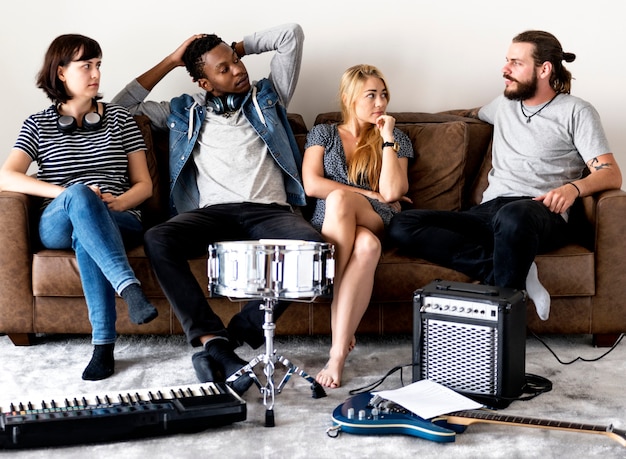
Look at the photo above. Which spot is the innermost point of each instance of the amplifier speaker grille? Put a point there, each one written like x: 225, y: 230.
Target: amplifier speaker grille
x: 460, y: 356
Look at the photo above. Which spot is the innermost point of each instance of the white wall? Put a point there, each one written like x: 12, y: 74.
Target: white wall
x: 436, y: 54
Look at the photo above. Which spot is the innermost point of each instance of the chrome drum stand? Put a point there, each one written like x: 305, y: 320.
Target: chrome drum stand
x: 269, y: 359
x: 272, y: 270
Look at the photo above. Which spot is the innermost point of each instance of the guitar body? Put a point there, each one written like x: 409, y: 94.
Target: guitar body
x: 347, y: 417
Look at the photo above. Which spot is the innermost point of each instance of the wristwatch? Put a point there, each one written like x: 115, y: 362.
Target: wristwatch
x: 393, y: 145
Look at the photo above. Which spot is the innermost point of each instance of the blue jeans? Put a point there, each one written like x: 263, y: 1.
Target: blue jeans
x: 494, y: 242
x: 170, y: 245
x: 78, y: 219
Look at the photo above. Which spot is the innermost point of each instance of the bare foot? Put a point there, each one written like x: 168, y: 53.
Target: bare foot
x: 330, y: 375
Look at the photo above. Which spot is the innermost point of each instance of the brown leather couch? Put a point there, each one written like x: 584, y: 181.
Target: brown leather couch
x: 40, y: 290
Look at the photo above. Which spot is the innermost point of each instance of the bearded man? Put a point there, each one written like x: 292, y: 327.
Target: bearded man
x: 544, y: 142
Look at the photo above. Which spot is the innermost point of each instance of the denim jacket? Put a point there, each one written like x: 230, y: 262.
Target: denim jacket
x: 262, y: 108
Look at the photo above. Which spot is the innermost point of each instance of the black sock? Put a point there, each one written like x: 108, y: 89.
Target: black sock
x: 139, y: 308
x: 222, y: 353
x: 102, y: 364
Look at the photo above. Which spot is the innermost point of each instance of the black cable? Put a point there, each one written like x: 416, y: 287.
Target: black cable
x: 375, y: 384
x: 577, y: 358
x: 535, y: 385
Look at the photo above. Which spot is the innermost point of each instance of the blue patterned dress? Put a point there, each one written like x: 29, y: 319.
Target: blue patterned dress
x: 335, y: 167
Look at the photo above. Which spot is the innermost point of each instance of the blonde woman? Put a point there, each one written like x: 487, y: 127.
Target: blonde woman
x: 357, y: 170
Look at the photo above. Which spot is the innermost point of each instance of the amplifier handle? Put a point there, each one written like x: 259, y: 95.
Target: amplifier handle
x: 467, y: 288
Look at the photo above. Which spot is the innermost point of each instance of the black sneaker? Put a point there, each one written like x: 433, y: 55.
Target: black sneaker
x: 206, y: 369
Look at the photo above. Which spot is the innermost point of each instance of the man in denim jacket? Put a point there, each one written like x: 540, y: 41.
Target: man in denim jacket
x: 234, y: 175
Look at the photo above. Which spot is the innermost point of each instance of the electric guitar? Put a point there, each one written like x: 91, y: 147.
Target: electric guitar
x: 366, y: 414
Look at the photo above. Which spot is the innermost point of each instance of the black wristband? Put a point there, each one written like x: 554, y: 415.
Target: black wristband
x: 574, y: 185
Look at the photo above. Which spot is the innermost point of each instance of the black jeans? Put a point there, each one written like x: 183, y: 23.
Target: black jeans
x: 171, y: 244
x: 494, y: 242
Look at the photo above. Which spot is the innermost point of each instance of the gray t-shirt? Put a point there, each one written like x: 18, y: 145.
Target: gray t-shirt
x: 234, y: 164
x: 532, y: 158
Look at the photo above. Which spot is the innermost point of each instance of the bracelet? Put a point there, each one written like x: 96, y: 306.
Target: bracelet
x: 574, y: 185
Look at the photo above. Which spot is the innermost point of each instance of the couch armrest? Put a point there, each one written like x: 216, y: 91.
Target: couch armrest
x: 607, y: 212
x: 16, y: 301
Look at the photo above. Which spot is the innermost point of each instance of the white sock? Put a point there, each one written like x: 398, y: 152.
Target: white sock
x: 538, y: 293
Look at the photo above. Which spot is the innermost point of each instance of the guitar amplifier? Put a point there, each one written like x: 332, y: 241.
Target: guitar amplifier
x: 472, y: 339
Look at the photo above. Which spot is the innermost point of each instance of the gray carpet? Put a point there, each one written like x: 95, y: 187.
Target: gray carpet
x: 584, y: 392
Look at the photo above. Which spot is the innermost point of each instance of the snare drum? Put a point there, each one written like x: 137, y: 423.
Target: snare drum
x: 271, y: 268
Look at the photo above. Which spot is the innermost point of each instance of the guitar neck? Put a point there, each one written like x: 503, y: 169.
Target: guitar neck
x: 469, y: 417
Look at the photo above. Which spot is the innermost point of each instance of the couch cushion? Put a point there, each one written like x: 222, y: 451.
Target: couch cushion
x: 436, y: 175
x: 55, y: 273
x: 565, y: 272
x: 448, y: 157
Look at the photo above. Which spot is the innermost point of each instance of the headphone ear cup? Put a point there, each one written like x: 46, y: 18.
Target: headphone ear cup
x: 234, y: 101
x: 92, y: 121
x: 216, y: 105
x: 66, y: 123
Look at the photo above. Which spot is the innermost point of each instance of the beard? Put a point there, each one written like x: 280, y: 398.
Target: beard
x: 523, y: 90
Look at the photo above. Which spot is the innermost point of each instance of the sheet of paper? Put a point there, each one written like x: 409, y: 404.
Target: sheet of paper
x: 428, y: 399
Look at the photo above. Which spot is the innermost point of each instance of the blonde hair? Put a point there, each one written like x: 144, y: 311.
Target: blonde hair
x: 365, y: 165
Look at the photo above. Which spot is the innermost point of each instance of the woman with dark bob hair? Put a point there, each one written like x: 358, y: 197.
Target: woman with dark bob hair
x: 92, y: 175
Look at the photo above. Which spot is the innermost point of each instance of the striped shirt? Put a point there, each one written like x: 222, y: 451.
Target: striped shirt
x: 98, y: 157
